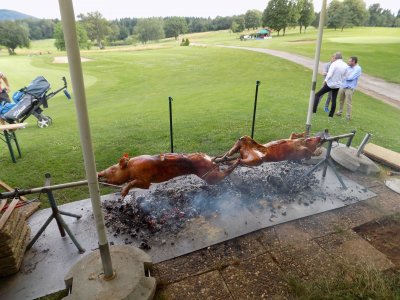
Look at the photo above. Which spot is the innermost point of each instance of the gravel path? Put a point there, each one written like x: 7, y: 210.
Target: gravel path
x: 372, y: 86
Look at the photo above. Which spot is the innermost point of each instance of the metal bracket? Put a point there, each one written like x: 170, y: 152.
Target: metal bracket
x: 328, y: 159
x: 56, y: 214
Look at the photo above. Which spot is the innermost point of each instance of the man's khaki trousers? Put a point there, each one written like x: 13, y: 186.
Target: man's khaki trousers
x: 345, y: 94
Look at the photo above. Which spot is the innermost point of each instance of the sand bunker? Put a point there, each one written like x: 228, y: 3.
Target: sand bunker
x: 64, y: 59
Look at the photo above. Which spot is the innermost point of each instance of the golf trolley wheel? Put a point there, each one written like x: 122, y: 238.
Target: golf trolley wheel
x: 46, y: 121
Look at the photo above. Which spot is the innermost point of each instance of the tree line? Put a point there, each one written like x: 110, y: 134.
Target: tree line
x: 93, y: 28
x: 350, y: 13
x: 282, y: 14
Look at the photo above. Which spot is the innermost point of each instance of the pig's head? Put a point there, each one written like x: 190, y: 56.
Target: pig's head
x: 116, y: 174
x: 313, y: 143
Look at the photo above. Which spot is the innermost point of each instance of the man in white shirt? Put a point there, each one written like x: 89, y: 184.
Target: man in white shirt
x: 333, y: 82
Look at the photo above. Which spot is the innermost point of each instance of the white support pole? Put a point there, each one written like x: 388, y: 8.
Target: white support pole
x: 75, y: 67
x: 316, y: 64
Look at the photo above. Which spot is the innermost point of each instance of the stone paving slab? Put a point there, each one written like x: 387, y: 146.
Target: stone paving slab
x: 231, y: 251
x: 320, y: 224
x: 204, y: 286
x: 291, y: 233
x: 389, y: 205
x: 256, y: 278
x: 351, y: 248
x: 298, y: 255
x: 176, y: 269
x: 354, y: 215
x: 308, y: 263
x: 268, y: 238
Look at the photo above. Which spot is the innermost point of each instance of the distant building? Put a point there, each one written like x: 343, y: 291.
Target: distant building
x: 262, y: 34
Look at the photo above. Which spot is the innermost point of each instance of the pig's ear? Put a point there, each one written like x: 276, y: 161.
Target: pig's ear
x: 123, y: 162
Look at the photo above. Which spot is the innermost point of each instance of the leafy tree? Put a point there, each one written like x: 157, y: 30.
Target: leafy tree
x: 13, y: 35
x: 306, y: 11
x: 198, y: 24
x: 294, y: 14
x: 220, y: 23
x: 252, y: 19
x: 114, y: 33
x: 235, y: 27
x: 59, y: 42
x: 174, y: 26
x: 375, y: 11
x: 347, y: 13
x: 315, y: 23
x: 185, y: 42
x: 39, y: 29
x: 96, y: 26
x: 338, y: 15
x: 388, y: 19
x: 126, y: 27
x: 356, y: 11
x: 397, y: 20
x: 276, y: 15
x: 123, y: 33
x: 238, y: 24
x: 150, y: 29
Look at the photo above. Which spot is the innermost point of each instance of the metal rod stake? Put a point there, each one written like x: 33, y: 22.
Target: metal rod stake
x: 255, y: 108
x: 170, y: 124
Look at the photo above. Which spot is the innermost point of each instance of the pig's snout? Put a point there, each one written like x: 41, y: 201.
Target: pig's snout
x: 100, y: 176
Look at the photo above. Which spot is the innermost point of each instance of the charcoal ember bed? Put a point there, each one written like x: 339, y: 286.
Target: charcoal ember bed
x: 144, y: 218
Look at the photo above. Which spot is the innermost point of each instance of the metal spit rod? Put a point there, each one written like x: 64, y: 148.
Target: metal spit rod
x: 44, y: 189
x: 338, y: 137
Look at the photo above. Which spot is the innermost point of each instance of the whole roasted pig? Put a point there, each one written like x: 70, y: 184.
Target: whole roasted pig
x: 297, y: 147
x: 141, y: 171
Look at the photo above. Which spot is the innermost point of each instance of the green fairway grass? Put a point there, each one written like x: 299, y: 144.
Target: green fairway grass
x: 377, y: 48
x: 213, y: 90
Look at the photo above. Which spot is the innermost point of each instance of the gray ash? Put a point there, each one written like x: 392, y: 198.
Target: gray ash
x: 166, y: 207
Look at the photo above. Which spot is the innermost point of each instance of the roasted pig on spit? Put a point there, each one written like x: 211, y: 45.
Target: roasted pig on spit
x: 297, y: 147
x: 141, y: 171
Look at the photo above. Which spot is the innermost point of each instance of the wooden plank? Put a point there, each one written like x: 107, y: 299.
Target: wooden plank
x: 10, y: 189
x: 383, y: 155
x: 13, y: 126
x: 29, y: 209
x: 8, y: 212
x: 2, y: 204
